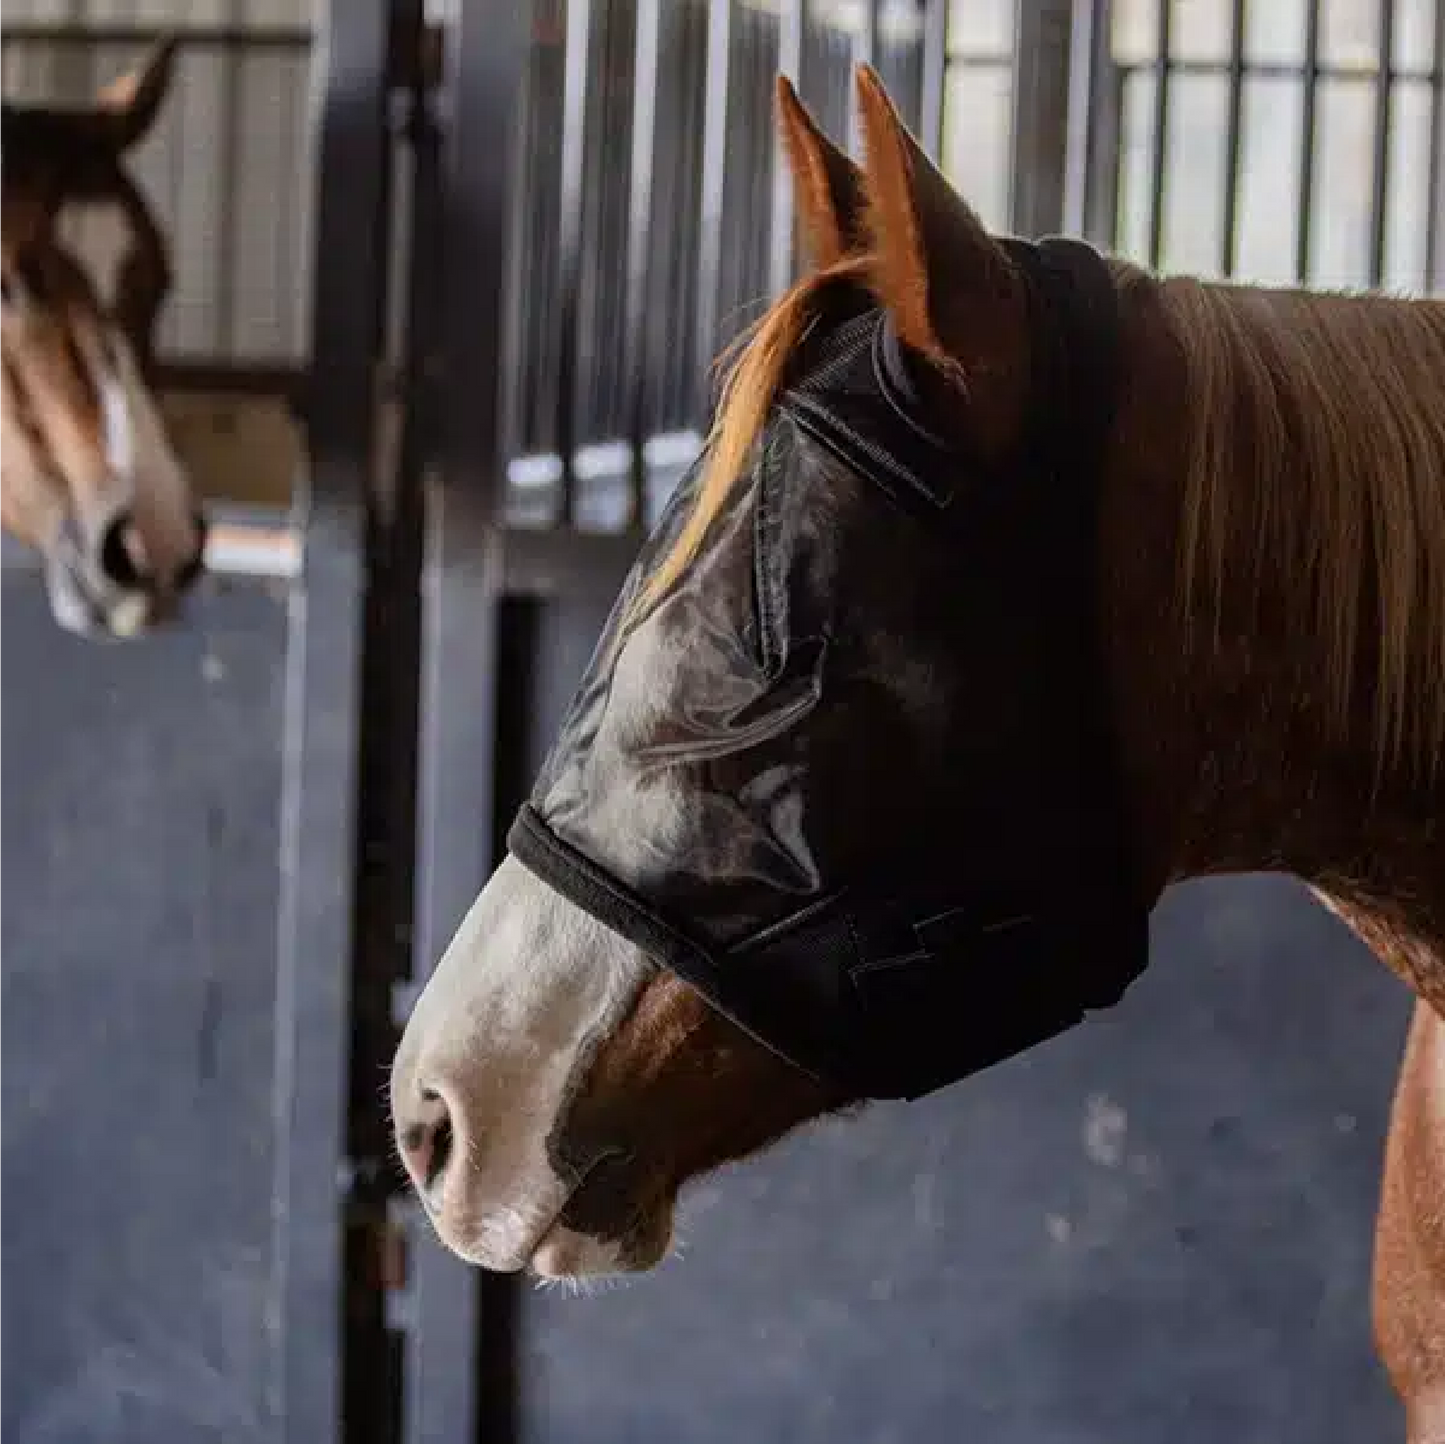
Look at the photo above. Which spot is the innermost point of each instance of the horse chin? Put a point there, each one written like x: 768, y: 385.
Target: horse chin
x: 564, y: 1253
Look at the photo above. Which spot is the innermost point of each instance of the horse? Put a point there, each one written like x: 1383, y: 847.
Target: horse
x: 1015, y: 584
x: 89, y: 478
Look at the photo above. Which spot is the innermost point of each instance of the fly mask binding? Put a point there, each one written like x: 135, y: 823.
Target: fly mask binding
x: 926, y: 957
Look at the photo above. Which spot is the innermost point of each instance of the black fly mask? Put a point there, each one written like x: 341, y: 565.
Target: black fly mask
x: 852, y: 777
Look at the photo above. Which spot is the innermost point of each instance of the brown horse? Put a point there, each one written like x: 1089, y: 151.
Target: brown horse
x: 90, y: 478
x: 839, y: 785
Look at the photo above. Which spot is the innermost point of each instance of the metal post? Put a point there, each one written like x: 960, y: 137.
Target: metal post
x: 712, y: 187
x: 640, y: 182
x: 576, y: 68
x: 1233, y: 141
x: 1163, y: 73
x: 935, y: 78
x: 1384, y: 127
x: 781, y: 218
x: 460, y: 1335
x: 1042, y: 45
x: 322, y: 711
x: 1305, y: 202
x: 1435, y: 184
x: 1091, y: 168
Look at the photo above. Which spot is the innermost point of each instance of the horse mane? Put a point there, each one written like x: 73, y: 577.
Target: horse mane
x: 1309, y: 440
x: 1315, y: 441
x: 754, y: 368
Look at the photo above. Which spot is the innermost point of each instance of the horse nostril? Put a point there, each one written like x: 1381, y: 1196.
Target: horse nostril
x: 117, y: 563
x: 426, y: 1144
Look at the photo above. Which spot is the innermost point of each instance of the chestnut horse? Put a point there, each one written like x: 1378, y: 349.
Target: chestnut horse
x: 1182, y: 611
x: 88, y: 475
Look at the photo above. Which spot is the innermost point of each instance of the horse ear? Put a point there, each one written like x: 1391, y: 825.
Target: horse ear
x: 129, y: 104
x: 922, y: 231
x: 827, y: 186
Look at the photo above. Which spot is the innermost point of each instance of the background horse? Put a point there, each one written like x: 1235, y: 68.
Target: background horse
x: 90, y: 478
x: 839, y: 785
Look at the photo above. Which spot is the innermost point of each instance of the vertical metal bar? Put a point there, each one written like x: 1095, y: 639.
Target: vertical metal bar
x: 1434, y: 198
x: 1384, y: 128
x: 711, y: 187
x: 1092, y: 143
x: 935, y: 77
x: 639, y: 252
x: 322, y: 711
x: 285, y: 240
x: 1305, y: 206
x: 780, y: 216
x: 462, y: 1335
x: 233, y: 59
x: 1233, y: 141
x: 575, y: 74
x: 1040, y: 123
x: 1160, y: 168
x: 867, y: 51
x: 520, y: 383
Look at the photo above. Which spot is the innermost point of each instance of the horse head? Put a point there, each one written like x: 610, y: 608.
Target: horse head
x: 733, y: 903
x: 90, y: 477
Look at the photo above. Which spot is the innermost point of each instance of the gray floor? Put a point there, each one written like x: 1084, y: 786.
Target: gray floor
x: 141, y: 785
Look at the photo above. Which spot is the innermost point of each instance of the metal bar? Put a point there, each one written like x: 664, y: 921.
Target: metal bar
x: 866, y: 50
x: 641, y: 177
x: 224, y: 37
x: 1233, y: 141
x: 1434, y: 199
x: 711, y: 187
x: 575, y: 74
x: 456, y: 1322
x: 781, y: 219
x: 322, y: 710
x: 1305, y: 204
x: 1092, y: 155
x: 1040, y: 121
x: 935, y: 73
x: 1274, y: 69
x: 1384, y: 130
x: 287, y: 236
x: 228, y: 163
x: 1160, y: 169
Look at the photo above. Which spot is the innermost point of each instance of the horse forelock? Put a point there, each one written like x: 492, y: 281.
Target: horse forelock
x: 754, y: 370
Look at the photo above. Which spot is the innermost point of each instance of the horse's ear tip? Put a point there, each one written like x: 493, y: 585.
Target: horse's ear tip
x: 163, y: 53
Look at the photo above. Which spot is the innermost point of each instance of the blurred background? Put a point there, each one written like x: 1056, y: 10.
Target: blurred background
x: 449, y: 280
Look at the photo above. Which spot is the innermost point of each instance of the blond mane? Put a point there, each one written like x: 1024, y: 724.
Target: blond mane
x: 754, y: 370
x: 1317, y: 459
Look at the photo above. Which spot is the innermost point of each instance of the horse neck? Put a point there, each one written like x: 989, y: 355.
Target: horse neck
x: 1244, y: 746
